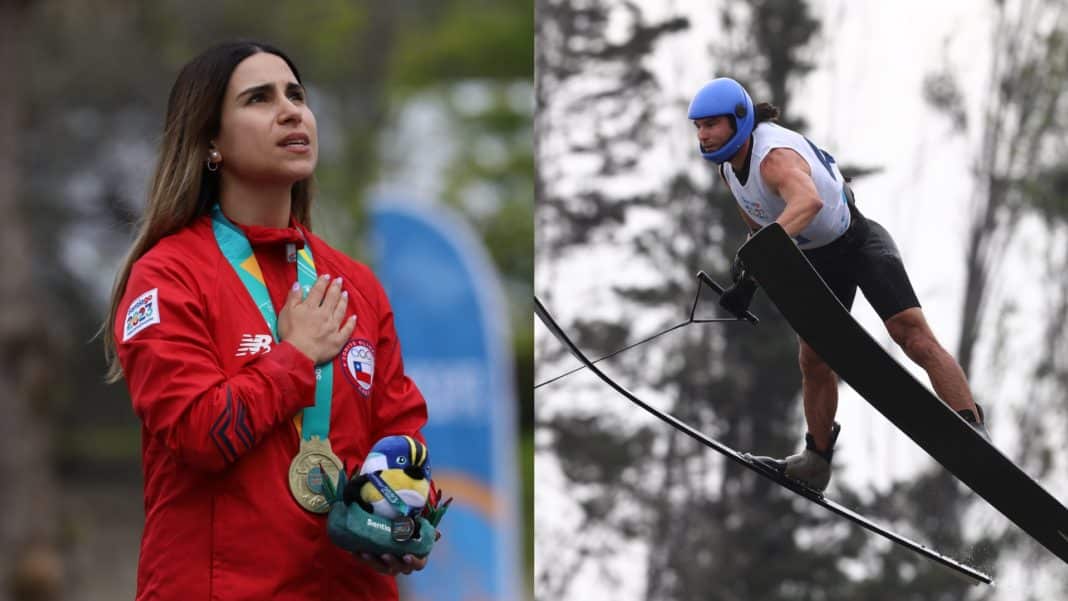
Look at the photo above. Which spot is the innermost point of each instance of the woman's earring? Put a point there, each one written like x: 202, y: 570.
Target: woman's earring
x: 214, y: 158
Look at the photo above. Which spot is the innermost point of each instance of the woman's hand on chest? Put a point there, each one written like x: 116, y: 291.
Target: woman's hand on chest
x: 316, y: 325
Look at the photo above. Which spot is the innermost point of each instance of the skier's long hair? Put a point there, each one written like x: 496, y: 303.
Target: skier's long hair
x: 765, y: 111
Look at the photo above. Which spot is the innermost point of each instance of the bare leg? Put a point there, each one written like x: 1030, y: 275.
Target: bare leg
x: 819, y: 389
x: 910, y: 330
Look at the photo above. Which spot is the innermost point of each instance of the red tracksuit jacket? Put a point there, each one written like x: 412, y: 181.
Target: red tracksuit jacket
x: 217, y: 397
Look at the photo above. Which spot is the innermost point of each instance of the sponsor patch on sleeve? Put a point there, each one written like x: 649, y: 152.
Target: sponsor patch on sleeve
x: 143, y: 312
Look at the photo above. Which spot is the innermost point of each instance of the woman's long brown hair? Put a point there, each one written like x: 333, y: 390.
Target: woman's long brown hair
x: 182, y: 187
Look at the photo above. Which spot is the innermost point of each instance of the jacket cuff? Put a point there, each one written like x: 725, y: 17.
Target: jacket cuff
x: 295, y: 377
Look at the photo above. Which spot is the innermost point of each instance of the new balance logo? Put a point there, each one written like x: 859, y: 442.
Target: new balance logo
x: 254, y: 343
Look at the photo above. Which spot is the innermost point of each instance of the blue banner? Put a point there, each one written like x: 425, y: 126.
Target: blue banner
x: 453, y: 330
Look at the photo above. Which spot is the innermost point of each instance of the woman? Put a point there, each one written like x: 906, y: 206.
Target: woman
x: 256, y: 355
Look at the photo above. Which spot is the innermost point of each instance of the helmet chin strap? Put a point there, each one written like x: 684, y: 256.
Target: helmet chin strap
x: 743, y: 151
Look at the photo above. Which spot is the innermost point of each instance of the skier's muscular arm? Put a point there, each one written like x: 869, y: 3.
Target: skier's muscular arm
x: 790, y: 177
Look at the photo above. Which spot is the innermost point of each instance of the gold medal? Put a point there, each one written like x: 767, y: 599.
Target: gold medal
x: 306, y: 477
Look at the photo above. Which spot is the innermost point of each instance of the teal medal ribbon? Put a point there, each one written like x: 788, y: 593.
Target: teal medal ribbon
x: 402, y: 527
x: 306, y: 472
x: 389, y: 494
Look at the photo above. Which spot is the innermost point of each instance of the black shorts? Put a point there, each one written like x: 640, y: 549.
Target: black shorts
x: 865, y: 256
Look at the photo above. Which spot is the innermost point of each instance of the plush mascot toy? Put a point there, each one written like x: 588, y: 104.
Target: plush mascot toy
x: 401, y: 463
x: 391, y: 506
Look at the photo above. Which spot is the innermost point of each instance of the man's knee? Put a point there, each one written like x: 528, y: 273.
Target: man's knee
x: 910, y: 331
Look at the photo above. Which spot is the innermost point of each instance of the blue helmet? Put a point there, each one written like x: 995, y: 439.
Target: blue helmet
x: 724, y: 96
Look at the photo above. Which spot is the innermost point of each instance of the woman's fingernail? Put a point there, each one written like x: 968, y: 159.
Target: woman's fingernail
x: 296, y: 286
x: 325, y: 277
x: 345, y: 294
x: 337, y: 282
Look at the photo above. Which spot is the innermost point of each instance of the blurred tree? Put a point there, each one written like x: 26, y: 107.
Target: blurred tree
x: 1021, y: 114
x: 713, y: 530
x: 480, y: 90
x: 30, y: 565
x: 1018, y: 171
x: 467, y: 63
x: 94, y: 104
x: 579, y: 129
x: 710, y: 530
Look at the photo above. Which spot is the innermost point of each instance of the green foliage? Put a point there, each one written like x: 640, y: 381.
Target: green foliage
x: 469, y: 39
x: 1047, y: 193
x: 93, y: 97
x: 329, y: 33
x: 443, y: 53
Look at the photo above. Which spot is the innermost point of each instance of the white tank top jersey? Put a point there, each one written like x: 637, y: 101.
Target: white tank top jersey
x: 764, y: 206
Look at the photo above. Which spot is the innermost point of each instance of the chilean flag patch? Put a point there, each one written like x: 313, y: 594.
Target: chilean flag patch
x: 359, y: 358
